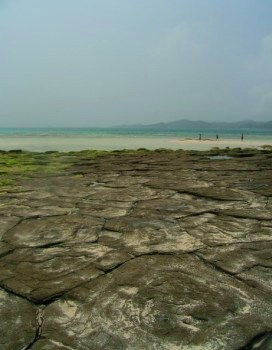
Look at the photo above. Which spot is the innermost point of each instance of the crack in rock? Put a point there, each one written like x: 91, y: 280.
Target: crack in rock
x: 38, y: 335
x: 260, y: 342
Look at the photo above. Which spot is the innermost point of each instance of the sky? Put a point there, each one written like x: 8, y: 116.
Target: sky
x: 77, y: 63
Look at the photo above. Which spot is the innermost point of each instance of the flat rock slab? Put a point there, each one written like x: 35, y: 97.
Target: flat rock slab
x: 136, y: 250
x: 177, y: 301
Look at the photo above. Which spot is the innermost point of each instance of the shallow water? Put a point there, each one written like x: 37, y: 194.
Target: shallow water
x: 251, y: 134
x: 61, y: 139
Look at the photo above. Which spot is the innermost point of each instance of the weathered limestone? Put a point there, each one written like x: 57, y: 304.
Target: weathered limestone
x: 158, y: 302
x: 136, y: 250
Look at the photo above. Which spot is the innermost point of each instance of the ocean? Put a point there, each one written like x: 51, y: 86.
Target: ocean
x: 76, y: 139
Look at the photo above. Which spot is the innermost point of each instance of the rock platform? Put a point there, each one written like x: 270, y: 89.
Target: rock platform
x: 161, y: 250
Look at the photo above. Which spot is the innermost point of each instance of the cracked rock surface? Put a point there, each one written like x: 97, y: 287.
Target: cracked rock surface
x: 136, y: 250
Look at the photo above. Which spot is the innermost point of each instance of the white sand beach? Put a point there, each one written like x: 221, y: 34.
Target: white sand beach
x: 208, y: 144
x: 77, y: 143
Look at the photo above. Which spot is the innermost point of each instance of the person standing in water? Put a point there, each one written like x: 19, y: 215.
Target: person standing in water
x: 200, y: 137
x: 217, y: 137
x: 242, y: 137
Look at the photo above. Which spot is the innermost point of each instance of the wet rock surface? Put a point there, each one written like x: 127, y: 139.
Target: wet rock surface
x: 136, y: 250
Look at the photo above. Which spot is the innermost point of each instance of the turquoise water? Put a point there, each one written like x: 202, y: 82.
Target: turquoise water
x: 137, y: 132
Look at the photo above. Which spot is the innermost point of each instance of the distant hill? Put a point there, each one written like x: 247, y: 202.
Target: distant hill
x: 199, y: 124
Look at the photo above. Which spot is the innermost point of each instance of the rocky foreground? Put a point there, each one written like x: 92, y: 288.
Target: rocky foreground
x: 136, y: 250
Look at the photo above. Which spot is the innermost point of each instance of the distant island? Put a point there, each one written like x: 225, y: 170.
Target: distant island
x: 199, y: 124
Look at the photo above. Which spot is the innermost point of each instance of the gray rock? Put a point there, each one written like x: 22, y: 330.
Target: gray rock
x: 135, y: 250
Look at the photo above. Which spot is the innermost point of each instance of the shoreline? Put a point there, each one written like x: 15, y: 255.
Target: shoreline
x: 207, y: 144
x: 67, y: 144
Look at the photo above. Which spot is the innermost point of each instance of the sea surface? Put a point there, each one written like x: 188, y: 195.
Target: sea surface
x: 69, y: 139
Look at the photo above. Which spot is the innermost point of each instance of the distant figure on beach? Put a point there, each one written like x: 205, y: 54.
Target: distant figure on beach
x: 242, y: 137
x: 217, y: 137
x: 200, y: 137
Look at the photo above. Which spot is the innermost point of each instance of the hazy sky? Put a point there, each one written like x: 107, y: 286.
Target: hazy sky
x: 112, y: 62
